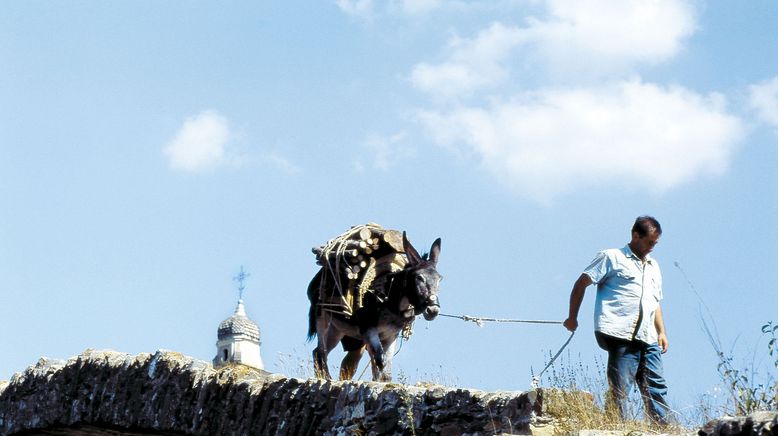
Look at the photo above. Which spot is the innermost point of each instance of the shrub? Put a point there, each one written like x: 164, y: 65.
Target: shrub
x: 752, y: 387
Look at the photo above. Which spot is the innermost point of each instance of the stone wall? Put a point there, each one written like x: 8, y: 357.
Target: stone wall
x: 756, y: 424
x: 105, y: 392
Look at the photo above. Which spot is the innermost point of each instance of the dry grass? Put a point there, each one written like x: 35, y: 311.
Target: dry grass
x: 573, y: 411
x: 578, y: 400
x: 293, y: 364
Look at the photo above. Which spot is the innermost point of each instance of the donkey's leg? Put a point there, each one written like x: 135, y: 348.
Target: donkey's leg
x: 376, y: 351
x: 348, y: 367
x: 321, y: 368
x: 373, y: 367
x: 386, y: 373
x: 328, y: 337
x: 320, y: 363
x: 354, y: 349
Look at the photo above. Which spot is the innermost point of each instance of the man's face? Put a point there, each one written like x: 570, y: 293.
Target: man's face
x: 642, y: 245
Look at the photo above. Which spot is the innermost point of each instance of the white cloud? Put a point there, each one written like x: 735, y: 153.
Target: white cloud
x: 359, y: 8
x: 417, y: 7
x: 384, y: 152
x: 206, y: 142
x: 557, y: 139
x: 280, y: 162
x: 554, y: 140
x: 577, y: 38
x: 627, y: 135
x: 764, y: 99
x: 412, y: 9
x: 609, y: 31
x: 200, y: 144
x: 471, y: 65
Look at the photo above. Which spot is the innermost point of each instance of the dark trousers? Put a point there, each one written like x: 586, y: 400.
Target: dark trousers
x: 636, y: 361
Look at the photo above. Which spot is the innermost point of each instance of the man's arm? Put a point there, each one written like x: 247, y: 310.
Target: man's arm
x: 576, y: 297
x: 659, y: 323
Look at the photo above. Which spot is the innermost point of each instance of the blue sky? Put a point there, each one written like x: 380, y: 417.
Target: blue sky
x: 149, y: 149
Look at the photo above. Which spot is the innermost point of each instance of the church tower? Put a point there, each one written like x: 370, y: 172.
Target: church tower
x: 238, y: 337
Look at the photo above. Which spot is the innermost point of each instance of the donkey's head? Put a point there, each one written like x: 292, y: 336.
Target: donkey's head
x: 423, y: 279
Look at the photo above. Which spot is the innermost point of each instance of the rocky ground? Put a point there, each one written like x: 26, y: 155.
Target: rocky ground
x: 168, y: 393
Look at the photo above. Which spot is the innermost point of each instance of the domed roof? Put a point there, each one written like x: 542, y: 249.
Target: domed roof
x: 238, y: 325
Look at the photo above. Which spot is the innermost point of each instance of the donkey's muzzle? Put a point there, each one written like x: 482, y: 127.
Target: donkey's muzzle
x: 433, y: 308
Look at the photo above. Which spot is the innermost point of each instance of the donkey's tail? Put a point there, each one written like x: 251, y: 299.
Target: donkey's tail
x: 313, y: 297
x: 311, y: 322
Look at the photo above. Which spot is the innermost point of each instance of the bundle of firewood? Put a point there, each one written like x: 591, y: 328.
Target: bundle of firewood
x: 357, y: 261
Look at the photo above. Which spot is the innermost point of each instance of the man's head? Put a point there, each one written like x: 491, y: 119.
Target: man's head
x: 645, y: 235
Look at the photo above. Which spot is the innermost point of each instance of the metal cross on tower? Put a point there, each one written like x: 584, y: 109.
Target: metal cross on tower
x: 241, y: 279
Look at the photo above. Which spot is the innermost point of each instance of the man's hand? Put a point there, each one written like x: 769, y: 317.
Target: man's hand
x: 576, y: 297
x: 663, y: 343
x: 659, y: 323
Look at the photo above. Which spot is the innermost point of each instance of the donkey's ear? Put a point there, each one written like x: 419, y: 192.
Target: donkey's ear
x: 410, y: 252
x: 435, y: 252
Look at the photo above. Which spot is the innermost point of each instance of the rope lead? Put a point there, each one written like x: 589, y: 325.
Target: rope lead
x: 536, y: 380
x: 481, y: 320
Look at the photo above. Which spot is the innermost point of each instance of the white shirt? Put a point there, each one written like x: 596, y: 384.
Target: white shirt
x: 628, y: 294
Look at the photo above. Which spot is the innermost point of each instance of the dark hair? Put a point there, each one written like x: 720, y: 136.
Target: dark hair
x: 644, y: 224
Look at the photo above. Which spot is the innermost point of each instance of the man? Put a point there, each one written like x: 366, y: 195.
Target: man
x: 628, y: 319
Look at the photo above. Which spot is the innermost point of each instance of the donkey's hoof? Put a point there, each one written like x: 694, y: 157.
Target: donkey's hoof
x: 380, y: 361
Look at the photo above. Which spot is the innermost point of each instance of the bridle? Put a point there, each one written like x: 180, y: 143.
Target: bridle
x: 392, y: 277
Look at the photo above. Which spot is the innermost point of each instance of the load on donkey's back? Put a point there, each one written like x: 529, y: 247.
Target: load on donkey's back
x: 371, y: 286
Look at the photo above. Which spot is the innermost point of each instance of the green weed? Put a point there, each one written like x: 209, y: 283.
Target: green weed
x: 753, y: 386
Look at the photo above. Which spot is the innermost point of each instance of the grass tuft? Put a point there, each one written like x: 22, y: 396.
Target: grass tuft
x: 578, y: 400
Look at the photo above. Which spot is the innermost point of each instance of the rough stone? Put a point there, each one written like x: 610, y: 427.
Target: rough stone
x: 106, y: 392
x: 756, y: 424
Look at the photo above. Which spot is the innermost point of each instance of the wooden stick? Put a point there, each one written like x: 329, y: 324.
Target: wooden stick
x: 364, y: 234
x: 395, y: 240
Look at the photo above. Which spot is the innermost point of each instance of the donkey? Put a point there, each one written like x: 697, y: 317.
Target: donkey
x: 375, y: 326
